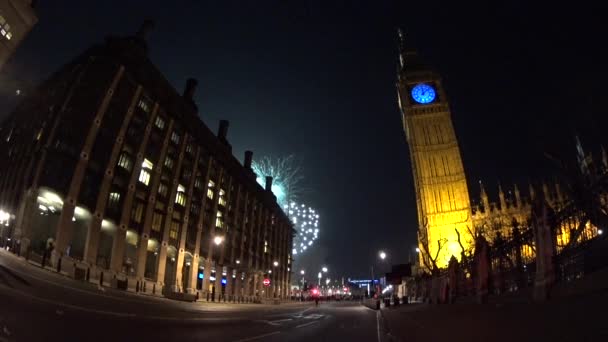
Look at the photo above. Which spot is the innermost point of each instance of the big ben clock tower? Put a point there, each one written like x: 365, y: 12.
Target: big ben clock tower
x: 442, y: 196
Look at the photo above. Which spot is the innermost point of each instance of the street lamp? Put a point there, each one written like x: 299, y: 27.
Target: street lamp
x: 218, y: 240
x: 302, y: 272
x: 382, y: 256
x: 276, y: 263
x: 417, y: 250
x: 324, y: 269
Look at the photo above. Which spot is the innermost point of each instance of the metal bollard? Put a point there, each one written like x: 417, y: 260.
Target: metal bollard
x: 88, y: 276
x: 137, y: 287
x: 59, y: 265
x: 101, y: 279
x: 144, y: 286
x: 154, y: 288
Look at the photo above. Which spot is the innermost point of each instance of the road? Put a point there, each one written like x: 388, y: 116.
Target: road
x: 37, y: 305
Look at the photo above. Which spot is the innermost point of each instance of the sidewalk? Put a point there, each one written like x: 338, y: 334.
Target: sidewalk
x: 49, y: 274
x: 569, y: 319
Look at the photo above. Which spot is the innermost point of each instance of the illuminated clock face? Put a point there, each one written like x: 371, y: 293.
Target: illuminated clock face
x: 423, y: 93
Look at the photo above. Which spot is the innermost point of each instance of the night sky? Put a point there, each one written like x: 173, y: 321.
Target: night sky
x: 317, y: 80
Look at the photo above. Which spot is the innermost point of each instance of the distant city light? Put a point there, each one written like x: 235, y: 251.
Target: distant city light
x: 218, y: 240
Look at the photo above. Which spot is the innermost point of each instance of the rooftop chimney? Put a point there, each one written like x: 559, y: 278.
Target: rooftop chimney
x: 222, y: 132
x: 144, y: 29
x: 268, y: 183
x: 248, y: 160
x: 191, y: 84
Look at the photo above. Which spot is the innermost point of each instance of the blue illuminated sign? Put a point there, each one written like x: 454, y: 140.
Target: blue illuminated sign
x: 201, y: 276
x: 224, y: 281
x: 423, y: 93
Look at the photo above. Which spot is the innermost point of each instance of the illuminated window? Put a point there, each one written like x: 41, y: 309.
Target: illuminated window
x: 219, y: 220
x: 174, y: 230
x: 189, y: 149
x: 5, y: 29
x: 157, y: 221
x: 175, y: 137
x: 113, y: 200
x: 163, y: 189
x: 265, y: 246
x: 181, y: 195
x: 125, y: 162
x: 210, y: 190
x: 160, y: 123
x: 144, y: 175
x: 169, y: 162
x: 147, y: 164
x: 145, y: 104
x: 222, y: 199
x: 137, y: 212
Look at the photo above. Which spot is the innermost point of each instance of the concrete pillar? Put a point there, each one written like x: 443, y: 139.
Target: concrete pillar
x: 218, y: 282
x: 162, y: 262
x: 229, y: 283
x: 193, y: 276
x: 142, y: 249
x: 92, y: 239
x: 206, y: 275
x: 118, y: 248
x: 63, y: 234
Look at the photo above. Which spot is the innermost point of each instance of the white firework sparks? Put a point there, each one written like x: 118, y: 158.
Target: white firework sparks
x: 285, y: 173
x: 306, y: 222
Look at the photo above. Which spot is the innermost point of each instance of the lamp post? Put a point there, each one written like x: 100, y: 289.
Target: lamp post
x: 382, y: 255
x: 323, y: 270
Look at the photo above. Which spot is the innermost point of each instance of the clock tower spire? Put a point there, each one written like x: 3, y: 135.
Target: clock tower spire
x: 442, y: 196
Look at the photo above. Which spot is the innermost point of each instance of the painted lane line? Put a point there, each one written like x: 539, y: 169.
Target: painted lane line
x: 306, y: 324
x: 378, y: 324
x: 257, y: 337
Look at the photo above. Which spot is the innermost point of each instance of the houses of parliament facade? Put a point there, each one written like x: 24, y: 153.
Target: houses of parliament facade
x: 447, y: 216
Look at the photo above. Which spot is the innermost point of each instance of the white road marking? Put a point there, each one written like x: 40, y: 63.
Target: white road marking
x: 378, y: 324
x: 306, y: 324
x: 314, y: 316
x: 257, y: 337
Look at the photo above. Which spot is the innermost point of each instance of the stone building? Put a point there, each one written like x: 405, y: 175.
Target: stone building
x: 17, y: 18
x: 108, y: 166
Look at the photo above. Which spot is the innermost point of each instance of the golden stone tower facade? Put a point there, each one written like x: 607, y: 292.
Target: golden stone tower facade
x: 442, y: 196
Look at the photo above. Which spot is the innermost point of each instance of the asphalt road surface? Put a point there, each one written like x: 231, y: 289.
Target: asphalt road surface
x: 37, y: 305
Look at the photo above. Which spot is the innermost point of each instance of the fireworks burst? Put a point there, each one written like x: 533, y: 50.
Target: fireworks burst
x: 306, y: 221
x: 285, y: 173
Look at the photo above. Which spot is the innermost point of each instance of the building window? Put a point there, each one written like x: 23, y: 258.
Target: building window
x: 210, y: 190
x: 198, y: 182
x: 145, y: 104
x: 163, y: 189
x: 222, y: 199
x: 157, y: 222
x: 265, y: 246
x: 195, y: 209
x: 144, y: 175
x: 174, y: 230
x: 189, y: 149
x: 137, y: 212
x: 113, y: 200
x: 125, y: 162
x: 160, y: 123
x: 181, y: 195
x: 169, y: 162
x: 219, y: 220
x: 5, y: 29
x: 175, y: 137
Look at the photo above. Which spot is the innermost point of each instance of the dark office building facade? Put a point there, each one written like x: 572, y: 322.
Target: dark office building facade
x: 109, y: 169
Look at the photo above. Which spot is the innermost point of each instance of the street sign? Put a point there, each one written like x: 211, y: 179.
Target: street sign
x: 266, y: 282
